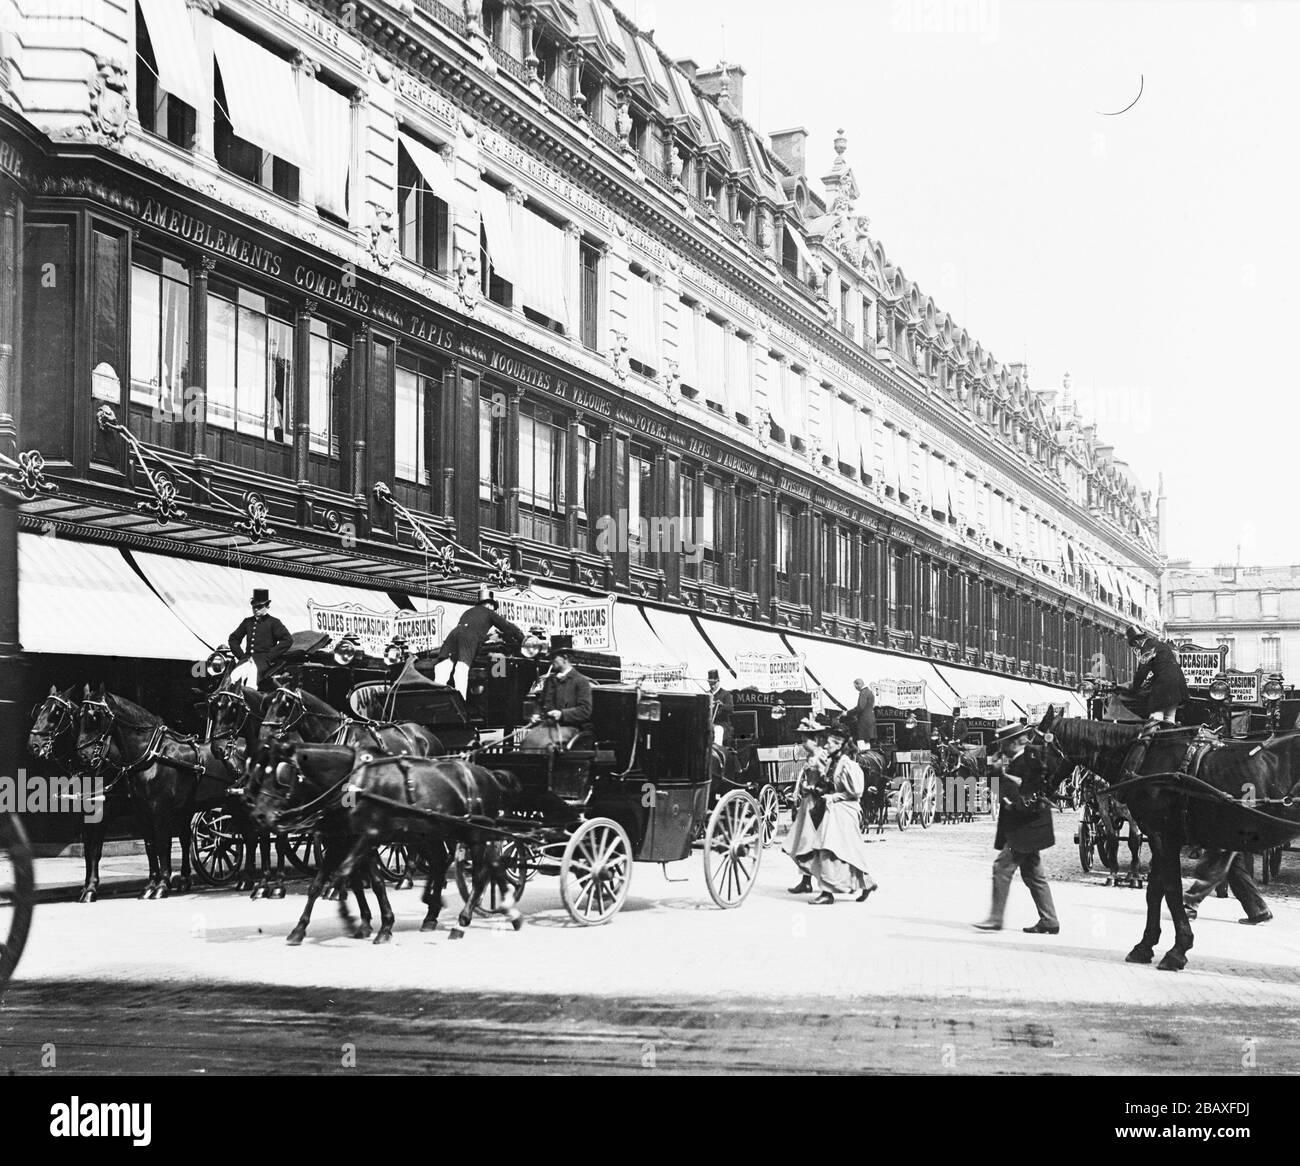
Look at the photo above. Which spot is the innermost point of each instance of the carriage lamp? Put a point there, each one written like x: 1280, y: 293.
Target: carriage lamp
x: 1272, y: 690
x: 219, y: 662
x: 395, y: 651
x: 648, y: 710
x: 346, y: 650
x: 935, y: 737
x: 1088, y: 687
x: 532, y: 646
x: 1219, y: 689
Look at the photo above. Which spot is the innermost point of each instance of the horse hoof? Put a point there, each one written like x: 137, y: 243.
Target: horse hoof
x: 429, y: 925
x: 517, y: 922
x: 88, y: 897
x: 294, y: 938
x: 1139, y: 955
x: 464, y: 920
x: 275, y: 893
x: 363, y: 932
x: 1171, y: 963
x: 384, y: 936
x: 258, y: 892
x: 456, y: 933
x: 147, y: 893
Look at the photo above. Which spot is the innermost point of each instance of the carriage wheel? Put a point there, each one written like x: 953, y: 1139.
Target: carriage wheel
x: 733, y: 849
x: 1085, y: 840
x: 1108, y: 851
x: 300, y: 849
x: 769, y: 808
x: 17, y: 893
x: 596, y: 871
x: 519, y: 862
x: 904, y: 815
x: 216, y: 847
x: 1275, y: 861
x: 929, y: 803
x: 393, y: 861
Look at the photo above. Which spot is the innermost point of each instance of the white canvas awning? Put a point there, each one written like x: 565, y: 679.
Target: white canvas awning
x: 675, y: 630
x: 432, y: 168
x: 642, y: 339
x: 540, y: 247
x: 800, y: 246
x: 713, y: 374
x: 83, y: 599
x: 776, y: 374
x: 846, y: 435
x: 730, y: 641
x: 500, y: 234
x: 175, y: 53
x: 866, y: 443
x: 261, y: 96
x: 332, y: 141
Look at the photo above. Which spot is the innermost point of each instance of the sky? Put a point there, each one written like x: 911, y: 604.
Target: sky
x: 1151, y: 254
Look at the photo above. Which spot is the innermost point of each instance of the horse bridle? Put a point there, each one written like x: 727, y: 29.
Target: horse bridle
x: 63, y: 719
x: 298, y: 713
x: 226, y: 698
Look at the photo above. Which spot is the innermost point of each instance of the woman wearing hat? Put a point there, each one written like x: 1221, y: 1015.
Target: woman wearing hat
x: 826, y: 840
x: 1024, y: 829
x: 258, y: 643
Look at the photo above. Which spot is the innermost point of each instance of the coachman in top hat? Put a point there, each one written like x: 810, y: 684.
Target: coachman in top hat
x: 259, y: 642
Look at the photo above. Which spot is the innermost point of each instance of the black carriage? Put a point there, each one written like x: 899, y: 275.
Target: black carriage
x: 909, y: 789
x: 767, y: 756
x: 968, y: 785
x: 636, y: 787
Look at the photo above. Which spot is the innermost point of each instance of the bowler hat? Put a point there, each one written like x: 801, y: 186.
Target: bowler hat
x: 1008, y: 733
x: 260, y: 595
x: 810, y: 726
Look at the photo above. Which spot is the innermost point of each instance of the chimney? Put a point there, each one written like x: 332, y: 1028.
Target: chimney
x: 1162, y: 505
x: 689, y: 67
x: 726, y: 83
x: 790, y: 147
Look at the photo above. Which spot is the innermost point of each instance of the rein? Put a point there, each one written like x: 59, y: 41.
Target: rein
x: 152, y: 753
x: 60, y: 719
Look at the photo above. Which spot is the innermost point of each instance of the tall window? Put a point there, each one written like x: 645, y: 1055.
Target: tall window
x: 1270, y: 653
x: 589, y: 300
x: 706, y: 533
x: 160, y: 112
x: 639, y: 502
x: 491, y: 459
x: 160, y: 331
x: 592, y: 96
x: 246, y: 160
x: 785, y: 552
x: 744, y: 541
x: 900, y: 590
x: 422, y: 223
x: 494, y: 21
x: 1269, y: 604
x: 250, y: 363
x: 688, y: 501
x: 328, y: 386
x: 587, y: 453
x: 840, y: 569
x: 870, y: 577
x: 542, y: 442
x: 414, y: 416
x: 1223, y: 605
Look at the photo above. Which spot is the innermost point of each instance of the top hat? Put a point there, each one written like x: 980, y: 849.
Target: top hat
x: 260, y: 595
x: 810, y: 726
x: 486, y: 596
x: 713, y: 674
x: 560, y: 646
x: 1134, y: 634
x: 1009, y: 733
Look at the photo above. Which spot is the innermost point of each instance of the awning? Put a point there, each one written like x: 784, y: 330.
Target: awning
x: 676, y: 630
x: 1019, y: 693
x: 642, y: 335
x: 835, y: 666
x: 211, y: 599
x: 332, y: 139
x: 801, y: 247
x: 261, y: 96
x: 83, y: 599
x: 713, y: 372
x: 866, y: 443
x: 175, y: 53
x: 846, y: 437
x: 776, y: 374
x: 731, y: 640
x: 500, y: 235
x: 432, y: 169
x: 639, y: 649
x: 540, y: 251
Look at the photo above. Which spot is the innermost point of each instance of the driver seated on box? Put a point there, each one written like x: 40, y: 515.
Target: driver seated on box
x: 565, y: 702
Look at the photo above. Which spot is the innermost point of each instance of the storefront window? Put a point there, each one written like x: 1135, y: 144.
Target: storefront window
x: 250, y: 365
x: 327, y: 388
x: 409, y: 432
x: 160, y: 331
x: 542, y: 444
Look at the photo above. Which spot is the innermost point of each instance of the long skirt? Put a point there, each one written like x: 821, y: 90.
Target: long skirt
x: 833, y: 852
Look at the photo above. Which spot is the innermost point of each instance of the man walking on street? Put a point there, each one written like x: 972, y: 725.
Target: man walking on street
x: 1216, y: 866
x: 1024, y: 829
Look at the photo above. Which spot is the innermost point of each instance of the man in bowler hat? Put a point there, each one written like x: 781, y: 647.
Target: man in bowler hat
x: 258, y: 643
x: 1024, y: 829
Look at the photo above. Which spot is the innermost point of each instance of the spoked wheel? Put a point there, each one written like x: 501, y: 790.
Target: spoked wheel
x: 929, y: 801
x: 216, y: 847
x: 733, y: 848
x: 1085, y: 839
x: 1108, y: 851
x: 393, y: 861
x: 519, y: 864
x: 300, y: 850
x: 17, y: 894
x: 769, y: 809
x: 596, y: 871
x: 904, y: 815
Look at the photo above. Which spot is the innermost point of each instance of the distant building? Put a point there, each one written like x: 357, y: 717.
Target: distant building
x: 1255, y: 611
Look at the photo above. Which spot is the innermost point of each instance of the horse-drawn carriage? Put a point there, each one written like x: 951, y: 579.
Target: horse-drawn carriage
x: 765, y: 743
x: 968, y: 786
x: 902, y: 768
x: 17, y: 893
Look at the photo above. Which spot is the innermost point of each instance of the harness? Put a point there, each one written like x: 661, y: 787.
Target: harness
x: 62, y: 717
x: 298, y: 713
x: 152, y: 754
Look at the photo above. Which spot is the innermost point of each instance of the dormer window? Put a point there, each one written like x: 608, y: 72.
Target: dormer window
x: 494, y: 22
x: 592, y: 96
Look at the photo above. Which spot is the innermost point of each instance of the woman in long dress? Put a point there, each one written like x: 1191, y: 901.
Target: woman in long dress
x: 826, y: 840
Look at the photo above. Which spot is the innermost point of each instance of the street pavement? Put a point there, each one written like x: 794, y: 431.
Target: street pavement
x: 901, y: 983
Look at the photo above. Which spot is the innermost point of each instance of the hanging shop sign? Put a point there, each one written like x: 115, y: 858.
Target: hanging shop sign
x: 769, y: 671
x: 900, y: 694
x: 589, y: 621
x: 374, y: 630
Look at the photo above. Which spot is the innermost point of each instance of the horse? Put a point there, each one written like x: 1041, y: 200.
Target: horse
x: 300, y: 786
x: 1192, y: 789
x: 161, y: 769
x: 53, y: 737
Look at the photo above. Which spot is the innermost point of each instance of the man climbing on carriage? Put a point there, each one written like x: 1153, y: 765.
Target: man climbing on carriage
x: 463, y: 642
x: 1159, y: 688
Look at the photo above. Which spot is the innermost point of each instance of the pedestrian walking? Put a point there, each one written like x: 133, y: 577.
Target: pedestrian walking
x: 826, y: 842
x: 1218, y: 866
x: 1024, y: 830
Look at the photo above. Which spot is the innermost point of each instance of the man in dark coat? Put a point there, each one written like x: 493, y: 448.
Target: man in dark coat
x: 1216, y: 866
x: 259, y: 642
x: 464, y: 641
x: 721, y: 707
x: 1159, y: 677
x: 864, y: 716
x: 1024, y: 829
x: 566, y: 694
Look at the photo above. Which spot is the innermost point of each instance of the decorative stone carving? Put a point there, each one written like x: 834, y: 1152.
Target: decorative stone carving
x: 676, y: 167
x: 467, y: 278
x: 110, y: 104
x: 619, y: 359
x: 623, y: 125
x: 670, y: 381
x: 383, y: 237
x: 765, y: 233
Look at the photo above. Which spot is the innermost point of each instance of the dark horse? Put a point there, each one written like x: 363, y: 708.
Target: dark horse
x: 1193, y: 789
x: 53, y: 739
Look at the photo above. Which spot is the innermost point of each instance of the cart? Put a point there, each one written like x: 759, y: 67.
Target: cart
x: 910, y: 789
x: 768, y: 759
x: 17, y: 893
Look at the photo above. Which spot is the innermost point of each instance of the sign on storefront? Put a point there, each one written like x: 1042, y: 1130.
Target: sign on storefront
x: 1036, y: 710
x: 589, y: 621
x: 769, y: 671
x: 1201, y: 665
x: 986, y: 708
x: 671, y: 676
x: 1244, y: 687
x: 900, y: 694
x: 374, y: 630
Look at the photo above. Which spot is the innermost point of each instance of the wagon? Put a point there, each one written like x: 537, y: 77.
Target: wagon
x: 768, y: 759
x: 636, y: 788
x: 911, y: 790
x: 17, y: 893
